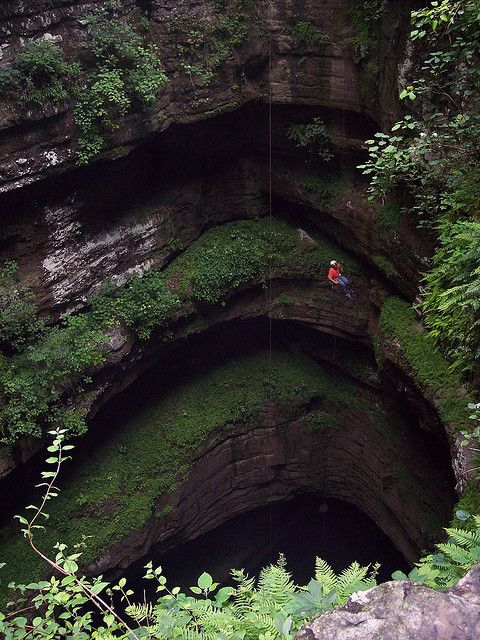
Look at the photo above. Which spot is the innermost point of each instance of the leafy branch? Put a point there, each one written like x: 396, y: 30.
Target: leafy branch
x: 64, y: 565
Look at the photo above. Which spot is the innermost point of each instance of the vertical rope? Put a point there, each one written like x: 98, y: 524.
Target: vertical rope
x: 270, y: 155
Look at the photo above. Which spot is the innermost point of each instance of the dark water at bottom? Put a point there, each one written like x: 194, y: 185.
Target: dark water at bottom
x: 302, y: 528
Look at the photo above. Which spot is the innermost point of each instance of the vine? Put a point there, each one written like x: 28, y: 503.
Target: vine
x: 126, y: 70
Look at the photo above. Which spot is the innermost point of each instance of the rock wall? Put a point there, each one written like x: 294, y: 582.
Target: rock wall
x: 37, y: 144
x: 403, y: 611
x: 160, y: 183
x: 279, y: 458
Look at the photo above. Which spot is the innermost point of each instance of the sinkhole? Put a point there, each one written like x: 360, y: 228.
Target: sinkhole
x: 242, y: 442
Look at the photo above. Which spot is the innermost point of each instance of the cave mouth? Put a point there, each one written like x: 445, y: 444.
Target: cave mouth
x: 302, y: 529
x: 213, y: 431
x: 366, y: 450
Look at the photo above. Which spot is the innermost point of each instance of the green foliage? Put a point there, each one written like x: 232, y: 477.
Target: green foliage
x: 374, y: 10
x: 144, y: 303
x: 454, y: 558
x: 389, y: 216
x: 434, y: 157
x: 324, y: 188
x: 398, y: 322
x: 39, y: 75
x: 226, y: 268
x: 115, y: 488
x: 452, y: 289
x: 435, y: 153
x: 386, y: 266
x: 469, y: 501
x: 320, y: 421
x: 391, y: 160
x: 58, y: 365
x: 126, y: 71
x: 306, y: 33
x: 35, y: 381
x: 364, y: 17
x: 313, y: 138
x: 207, y: 43
x: 20, y: 325
x: 273, y: 608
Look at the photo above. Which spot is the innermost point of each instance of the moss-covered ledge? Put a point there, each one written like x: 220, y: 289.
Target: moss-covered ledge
x: 122, y: 492
x: 403, y: 339
x: 41, y: 385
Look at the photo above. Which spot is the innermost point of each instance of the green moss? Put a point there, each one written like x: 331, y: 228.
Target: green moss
x: 408, y: 483
x: 469, y: 502
x: 398, y: 321
x: 305, y: 32
x: 284, y: 299
x: 233, y: 254
x: 364, y: 17
x: 320, y: 421
x: 324, y: 188
x: 389, y: 216
x: 203, y: 45
x: 223, y: 108
x: 386, y: 266
x: 220, y: 262
x: 113, y: 491
x: 164, y: 511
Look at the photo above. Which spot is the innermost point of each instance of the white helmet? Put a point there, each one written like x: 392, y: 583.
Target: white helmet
x: 333, y: 263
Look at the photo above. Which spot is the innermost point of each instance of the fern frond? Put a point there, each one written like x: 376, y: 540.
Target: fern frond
x: 455, y: 553
x: 244, y: 594
x: 464, y: 537
x: 275, y: 585
x: 325, y: 575
x: 350, y: 578
x: 140, y: 612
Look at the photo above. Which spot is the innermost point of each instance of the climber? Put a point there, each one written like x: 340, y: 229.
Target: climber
x: 335, y: 276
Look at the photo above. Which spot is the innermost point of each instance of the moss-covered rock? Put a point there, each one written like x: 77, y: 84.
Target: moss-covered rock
x: 414, y: 348
x: 113, y: 491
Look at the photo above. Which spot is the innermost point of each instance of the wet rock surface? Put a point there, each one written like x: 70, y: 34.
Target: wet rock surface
x: 276, y: 456
x: 326, y: 74
x: 404, y: 611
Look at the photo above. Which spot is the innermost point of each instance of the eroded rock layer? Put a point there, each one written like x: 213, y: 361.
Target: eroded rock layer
x: 178, y: 183
x: 401, y: 611
x: 257, y: 429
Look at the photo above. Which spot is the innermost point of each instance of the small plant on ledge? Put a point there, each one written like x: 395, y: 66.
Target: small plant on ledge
x: 126, y: 71
x: 306, y: 33
x: 313, y: 138
x: 39, y: 75
x: 62, y: 606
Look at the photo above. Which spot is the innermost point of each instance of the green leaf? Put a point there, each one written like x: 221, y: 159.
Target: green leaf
x: 70, y: 565
x: 205, y: 581
x: 399, y: 575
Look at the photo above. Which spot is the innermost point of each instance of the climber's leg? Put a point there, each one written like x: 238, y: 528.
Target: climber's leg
x: 345, y: 284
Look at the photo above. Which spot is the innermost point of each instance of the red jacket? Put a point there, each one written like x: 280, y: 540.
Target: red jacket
x: 334, y: 273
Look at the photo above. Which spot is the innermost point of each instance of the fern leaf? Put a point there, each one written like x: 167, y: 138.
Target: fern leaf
x: 325, y: 575
x: 464, y: 537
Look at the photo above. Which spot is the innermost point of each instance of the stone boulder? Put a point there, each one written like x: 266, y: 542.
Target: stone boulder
x: 404, y: 611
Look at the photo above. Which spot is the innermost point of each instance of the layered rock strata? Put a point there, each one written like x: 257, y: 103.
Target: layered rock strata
x: 404, y: 611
